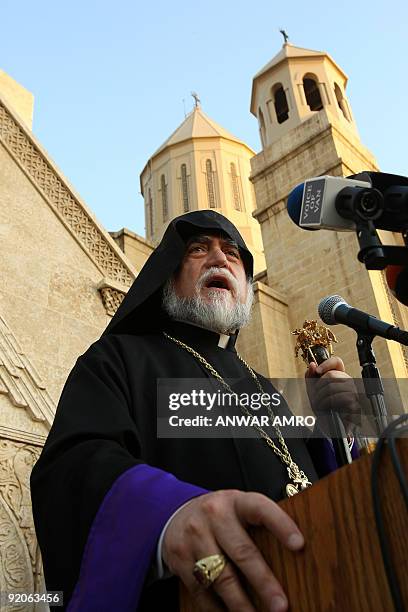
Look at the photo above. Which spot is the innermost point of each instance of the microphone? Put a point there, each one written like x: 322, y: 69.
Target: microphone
x: 334, y: 309
x: 343, y: 204
x: 312, y: 204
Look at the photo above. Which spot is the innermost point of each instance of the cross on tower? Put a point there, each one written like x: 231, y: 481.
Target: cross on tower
x: 197, y: 101
x: 285, y: 36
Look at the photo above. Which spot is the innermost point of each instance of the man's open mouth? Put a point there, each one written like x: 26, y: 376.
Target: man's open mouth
x: 218, y: 282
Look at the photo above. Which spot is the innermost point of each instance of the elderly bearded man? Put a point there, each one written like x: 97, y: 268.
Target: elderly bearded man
x: 111, y: 501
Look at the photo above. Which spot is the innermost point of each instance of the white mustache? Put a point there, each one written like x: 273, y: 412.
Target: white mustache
x: 217, y: 272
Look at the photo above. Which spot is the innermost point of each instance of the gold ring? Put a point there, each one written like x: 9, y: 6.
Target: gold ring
x: 207, y: 569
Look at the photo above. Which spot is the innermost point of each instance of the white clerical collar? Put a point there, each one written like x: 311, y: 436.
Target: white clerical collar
x: 223, y: 339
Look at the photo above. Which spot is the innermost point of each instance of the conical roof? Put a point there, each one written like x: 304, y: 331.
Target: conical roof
x: 197, y: 125
x: 288, y: 52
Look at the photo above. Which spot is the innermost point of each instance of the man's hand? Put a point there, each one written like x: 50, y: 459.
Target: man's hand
x: 217, y: 523
x: 329, y: 387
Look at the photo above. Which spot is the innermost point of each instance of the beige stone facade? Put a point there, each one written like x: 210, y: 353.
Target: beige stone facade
x: 265, y: 341
x: 136, y: 248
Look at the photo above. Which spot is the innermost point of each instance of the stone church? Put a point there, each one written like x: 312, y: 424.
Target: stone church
x: 63, y: 274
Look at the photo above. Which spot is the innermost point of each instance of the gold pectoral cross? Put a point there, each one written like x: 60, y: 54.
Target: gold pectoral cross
x: 296, y: 481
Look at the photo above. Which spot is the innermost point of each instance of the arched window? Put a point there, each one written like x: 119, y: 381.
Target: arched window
x: 165, y: 206
x: 184, y: 188
x: 262, y: 130
x: 281, y: 103
x: 312, y: 93
x: 341, y: 102
x: 212, y: 203
x: 235, y: 187
x: 149, y: 214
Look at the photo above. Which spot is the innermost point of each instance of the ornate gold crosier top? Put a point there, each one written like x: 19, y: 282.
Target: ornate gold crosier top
x: 311, y: 336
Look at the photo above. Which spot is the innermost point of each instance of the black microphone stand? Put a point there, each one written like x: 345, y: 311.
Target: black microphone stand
x: 372, y: 380
x: 339, y: 440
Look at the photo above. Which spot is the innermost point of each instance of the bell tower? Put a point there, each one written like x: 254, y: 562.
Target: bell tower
x: 307, y: 129
x: 293, y: 86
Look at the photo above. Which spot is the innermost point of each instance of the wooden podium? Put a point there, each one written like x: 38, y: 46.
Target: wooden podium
x: 341, y: 568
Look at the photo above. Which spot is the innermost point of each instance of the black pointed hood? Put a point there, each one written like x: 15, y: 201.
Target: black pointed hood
x: 141, y: 309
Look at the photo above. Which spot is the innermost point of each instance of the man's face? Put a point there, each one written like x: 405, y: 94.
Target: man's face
x: 212, y: 268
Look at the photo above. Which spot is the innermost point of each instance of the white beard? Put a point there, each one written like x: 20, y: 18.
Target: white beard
x: 217, y: 315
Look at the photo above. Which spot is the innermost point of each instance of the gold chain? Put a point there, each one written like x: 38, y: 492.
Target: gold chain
x: 297, y: 475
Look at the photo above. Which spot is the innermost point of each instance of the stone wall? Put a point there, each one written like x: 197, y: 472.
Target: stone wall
x: 136, y: 248
x: 266, y: 343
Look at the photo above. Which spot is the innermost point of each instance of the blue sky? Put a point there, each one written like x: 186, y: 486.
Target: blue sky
x: 109, y: 79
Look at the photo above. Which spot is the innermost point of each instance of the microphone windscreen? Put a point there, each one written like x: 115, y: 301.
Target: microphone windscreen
x: 326, y: 308
x: 295, y: 204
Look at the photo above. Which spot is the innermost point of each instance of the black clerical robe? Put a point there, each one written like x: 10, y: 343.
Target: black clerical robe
x: 107, y: 484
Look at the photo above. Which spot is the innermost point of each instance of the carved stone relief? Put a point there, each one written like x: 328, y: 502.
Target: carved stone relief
x: 112, y: 295
x: 20, y: 564
x: 112, y: 299
x: 20, y: 381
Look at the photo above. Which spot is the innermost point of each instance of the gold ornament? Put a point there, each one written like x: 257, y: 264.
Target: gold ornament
x: 207, y: 569
x: 312, y: 337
